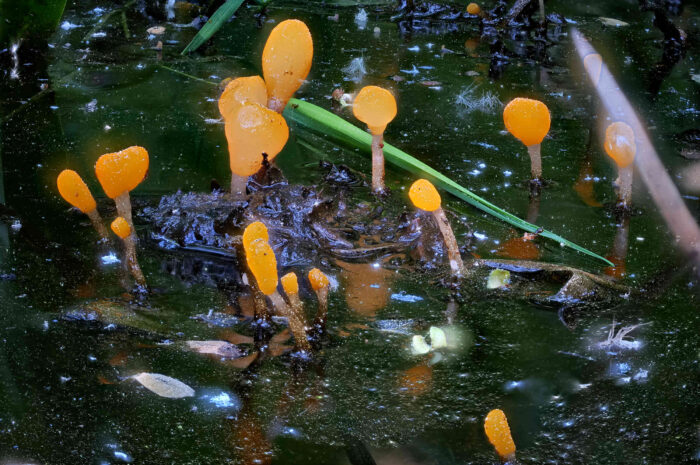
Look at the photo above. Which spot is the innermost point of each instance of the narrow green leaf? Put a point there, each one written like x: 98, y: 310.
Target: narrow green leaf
x: 323, y: 122
x: 220, y: 16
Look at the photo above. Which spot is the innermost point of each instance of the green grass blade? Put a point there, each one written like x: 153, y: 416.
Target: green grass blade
x: 220, y: 16
x: 323, y: 122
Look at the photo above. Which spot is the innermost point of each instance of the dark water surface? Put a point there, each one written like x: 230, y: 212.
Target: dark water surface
x: 63, y: 394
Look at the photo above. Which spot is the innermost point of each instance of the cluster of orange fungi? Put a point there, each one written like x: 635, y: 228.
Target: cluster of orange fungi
x: 262, y: 263
x: 118, y: 174
x: 251, y: 107
x: 424, y: 196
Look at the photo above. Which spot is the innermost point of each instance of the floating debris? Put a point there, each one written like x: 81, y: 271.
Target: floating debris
x: 156, y: 30
x: 498, y: 279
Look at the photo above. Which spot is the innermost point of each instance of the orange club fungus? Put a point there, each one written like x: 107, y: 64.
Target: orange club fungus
x: 121, y: 228
x: 74, y: 191
x: 239, y: 91
x: 528, y: 120
x: 376, y: 107
x: 254, y: 133
x: 121, y: 172
x: 424, y: 196
x: 286, y: 61
x: 263, y: 265
x: 498, y: 432
x: 320, y: 284
x: 297, y: 320
x: 621, y: 147
x: 474, y: 9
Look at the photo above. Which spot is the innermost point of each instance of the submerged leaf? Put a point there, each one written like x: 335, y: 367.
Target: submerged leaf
x: 497, y: 279
x: 222, y: 348
x: 217, y: 20
x: 326, y: 123
x: 613, y: 22
x: 164, y: 386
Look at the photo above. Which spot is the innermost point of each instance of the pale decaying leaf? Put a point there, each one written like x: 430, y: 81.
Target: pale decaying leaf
x: 221, y: 348
x: 498, y: 278
x: 613, y: 22
x: 164, y: 386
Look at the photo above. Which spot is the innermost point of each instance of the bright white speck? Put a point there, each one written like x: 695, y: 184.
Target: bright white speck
x: 640, y: 239
x: 481, y: 165
x: 110, y: 259
x: 507, y: 173
x: 361, y: 19
x: 415, y: 48
x: 480, y: 236
x: 67, y: 26
x: 403, y: 297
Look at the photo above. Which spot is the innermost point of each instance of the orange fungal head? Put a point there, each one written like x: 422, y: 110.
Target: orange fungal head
x: 473, y: 9
x: 74, y: 191
x: 263, y: 264
x: 375, y: 107
x: 290, y: 283
x: 619, y: 143
x: 255, y: 230
x: 318, y: 279
x: 240, y: 91
x: 286, y: 60
x: 121, y: 228
x: 121, y: 172
x: 527, y: 119
x: 254, y: 130
x: 498, y: 432
x: 424, y: 195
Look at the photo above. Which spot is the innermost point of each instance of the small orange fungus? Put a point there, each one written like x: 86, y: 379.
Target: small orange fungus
x: 498, y: 432
x: 254, y: 130
x: 74, y: 191
x: 255, y: 230
x: 619, y: 143
x: 375, y: 107
x: 263, y: 264
x: 318, y: 279
x: 473, y: 9
x: 290, y: 283
x: 527, y: 119
x: 286, y: 61
x: 121, y: 172
x: 121, y: 228
x: 424, y: 195
x: 240, y: 91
